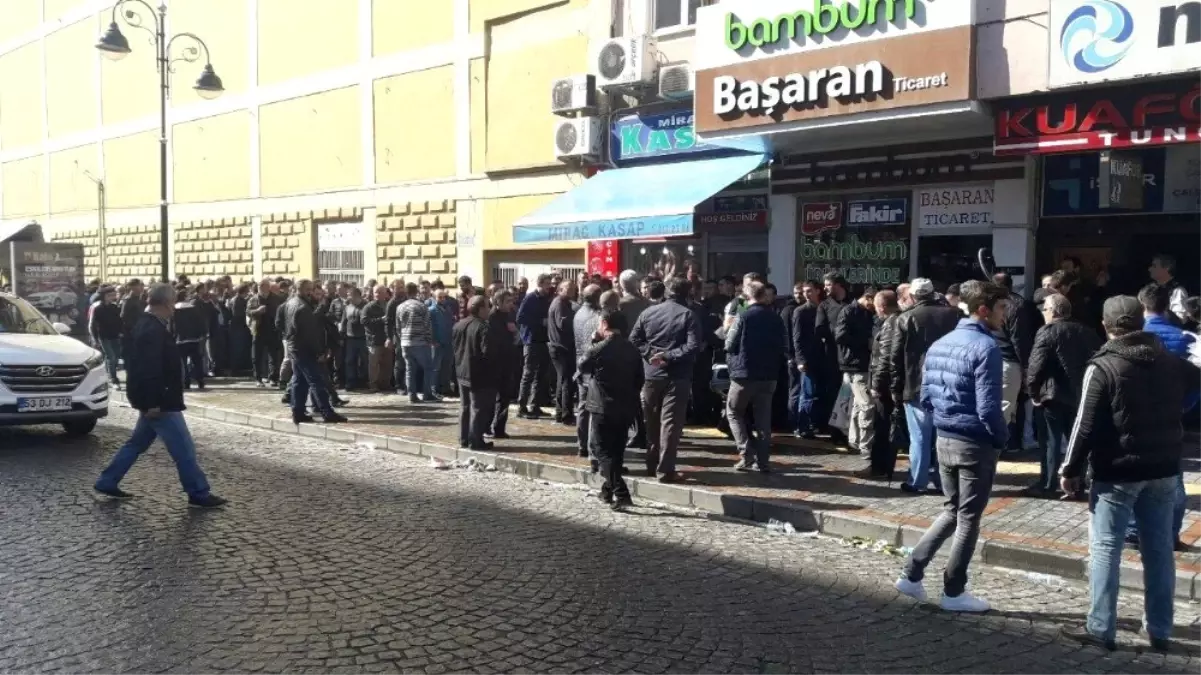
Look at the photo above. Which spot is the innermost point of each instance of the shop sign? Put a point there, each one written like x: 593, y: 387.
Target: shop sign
x: 340, y: 236
x: 1120, y: 180
x: 1159, y: 113
x: 645, y: 136
x: 914, y: 70
x: 1102, y: 40
x: 755, y: 218
x: 740, y: 203
x: 866, y: 212
x: 882, y: 262
x: 952, y: 206
x: 817, y: 217
x: 604, y: 258
x: 1171, y: 183
x: 736, y: 31
x: 624, y: 228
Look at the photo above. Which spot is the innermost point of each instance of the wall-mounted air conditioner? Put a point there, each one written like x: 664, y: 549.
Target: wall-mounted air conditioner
x: 573, y: 94
x: 627, y: 62
x: 578, y: 138
x: 675, y: 81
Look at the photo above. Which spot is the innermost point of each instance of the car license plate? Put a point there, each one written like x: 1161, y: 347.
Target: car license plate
x: 35, y: 405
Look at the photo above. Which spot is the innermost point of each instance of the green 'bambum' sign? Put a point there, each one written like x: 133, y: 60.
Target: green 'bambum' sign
x: 825, y: 18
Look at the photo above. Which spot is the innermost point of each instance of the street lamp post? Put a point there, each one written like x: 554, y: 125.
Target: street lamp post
x: 114, y: 45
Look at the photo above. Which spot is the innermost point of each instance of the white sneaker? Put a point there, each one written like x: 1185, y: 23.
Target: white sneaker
x: 913, y: 589
x: 964, y: 602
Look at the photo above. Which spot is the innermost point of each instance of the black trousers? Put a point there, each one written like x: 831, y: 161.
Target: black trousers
x: 564, y: 363
x: 534, y: 367
x: 475, y: 414
x: 504, y: 397
x: 607, y: 435
x: 827, y: 381
x: 883, y: 454
x: 268, y: 356
x: 398, y: 371
x: 191, y: 359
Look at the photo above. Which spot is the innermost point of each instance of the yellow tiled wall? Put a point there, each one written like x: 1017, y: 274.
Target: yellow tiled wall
x: 214, y: 248
x: 402, y: 25
x: 288, y: 245
x: 71, y: 188
x: 311, y: 143
x: 71, y: 88
x: 415, y: 130
x: 417, y: 239
x: 21, y: 97
x: 24, y: 182
x: 132, y: 252
x: 212, y: 158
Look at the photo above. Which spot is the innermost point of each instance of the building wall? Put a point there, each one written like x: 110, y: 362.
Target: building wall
x: 386, y: 109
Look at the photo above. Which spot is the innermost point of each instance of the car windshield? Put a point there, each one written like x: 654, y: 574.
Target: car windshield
x: 18, y: 316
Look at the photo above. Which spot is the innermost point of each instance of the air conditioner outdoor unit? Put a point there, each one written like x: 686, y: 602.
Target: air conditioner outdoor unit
x: 573, y: 94
x: 675, y: 81
x: 627, y: 62
x: 579, y: 137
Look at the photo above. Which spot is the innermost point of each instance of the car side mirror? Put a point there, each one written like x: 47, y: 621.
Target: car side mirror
x: 62, y: 328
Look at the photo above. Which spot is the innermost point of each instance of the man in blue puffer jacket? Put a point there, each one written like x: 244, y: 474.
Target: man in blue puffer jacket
x: 961, y: 385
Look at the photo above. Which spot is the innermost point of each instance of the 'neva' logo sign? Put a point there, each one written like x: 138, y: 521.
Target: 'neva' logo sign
x: 825, y: 18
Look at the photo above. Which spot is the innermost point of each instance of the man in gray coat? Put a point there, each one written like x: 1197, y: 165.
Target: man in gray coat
x: 584, y: 326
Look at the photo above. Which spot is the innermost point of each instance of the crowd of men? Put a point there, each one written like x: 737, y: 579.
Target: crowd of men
x: 1099, y: 385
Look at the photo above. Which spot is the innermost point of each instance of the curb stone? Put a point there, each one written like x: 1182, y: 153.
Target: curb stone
x: 803, y: 518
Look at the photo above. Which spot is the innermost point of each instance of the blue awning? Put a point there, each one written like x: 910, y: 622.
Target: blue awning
x: 641, y: 201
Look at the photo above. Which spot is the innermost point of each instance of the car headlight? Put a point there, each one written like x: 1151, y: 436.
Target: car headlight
x: 94, y: 361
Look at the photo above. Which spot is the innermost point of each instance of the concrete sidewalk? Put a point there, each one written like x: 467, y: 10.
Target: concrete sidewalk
x: 815, y: 484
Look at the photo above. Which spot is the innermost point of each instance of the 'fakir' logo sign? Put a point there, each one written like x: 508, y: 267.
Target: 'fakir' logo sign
x: 817, y: 217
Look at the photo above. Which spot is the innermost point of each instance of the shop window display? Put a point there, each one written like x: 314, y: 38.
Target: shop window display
x: 864, y: 237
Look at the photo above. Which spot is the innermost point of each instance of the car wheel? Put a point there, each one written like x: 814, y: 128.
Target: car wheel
x: 79, y: 427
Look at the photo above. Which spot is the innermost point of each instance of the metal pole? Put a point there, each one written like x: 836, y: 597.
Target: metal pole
x: 103, y: 233
x: 164, y: 83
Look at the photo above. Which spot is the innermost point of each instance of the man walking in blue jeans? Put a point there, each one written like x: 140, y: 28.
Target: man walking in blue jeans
x: 154, y: 387
x: 1128, y: 431
x: 961, y: 386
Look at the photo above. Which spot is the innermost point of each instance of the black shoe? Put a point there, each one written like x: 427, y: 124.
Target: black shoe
x: 1081, y: 634
x: 1158, y: 644
x: 581, y: 452
x: 907, y: 487
x: 621, y: 504
x: 569, y: 421
x: 523, y: 415
x: 286, y: 400
x: 594, y: 465
x: 209, y: 502
x: 637, y: 443
x: 339, y: 403
x: 500, y: 435
x: 200, y: 386
x: 115, y: 493
x: 1181, y: 547
x: 334, y: 418
x: 301, y: 419
x: 625, y: 470
x: 764, y: 468
x: 535, y: 413
x: 486, y: 445
x: 606, y: 496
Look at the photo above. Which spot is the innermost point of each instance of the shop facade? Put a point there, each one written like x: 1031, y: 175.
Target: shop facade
x: 884, y: 165
x: 1117, y: 146
x: 665, y: 203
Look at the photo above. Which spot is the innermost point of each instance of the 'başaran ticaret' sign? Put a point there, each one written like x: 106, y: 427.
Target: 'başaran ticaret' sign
x: 768, y: 62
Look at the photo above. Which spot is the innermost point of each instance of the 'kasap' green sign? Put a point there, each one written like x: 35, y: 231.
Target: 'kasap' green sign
x: 825, y: 18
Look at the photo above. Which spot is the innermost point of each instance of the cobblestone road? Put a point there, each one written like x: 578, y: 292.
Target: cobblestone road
x: 351, y: 559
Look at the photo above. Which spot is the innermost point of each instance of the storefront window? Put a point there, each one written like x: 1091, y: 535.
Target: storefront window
x: 664, y: 258
x: 947, y: 260
x: 864, y: 237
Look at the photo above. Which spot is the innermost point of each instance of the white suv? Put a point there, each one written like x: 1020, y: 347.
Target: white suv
x: 45, y: 376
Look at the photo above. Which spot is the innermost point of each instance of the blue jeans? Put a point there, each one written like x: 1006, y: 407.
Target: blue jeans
x: 112, y: 353
x: 1112, y: 504
x: 355, y: 353
x: 433, y: 380
x: 418, y: 367
x: 1178, y: 509
x: 921, y: 447
x: 1057, y: 423
x: 802, y: 414
x: 307, y: 378
x: 173, y: 430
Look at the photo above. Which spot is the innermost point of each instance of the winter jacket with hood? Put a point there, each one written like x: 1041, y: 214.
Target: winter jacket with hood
x: 1061, y: 352
x: 961, y: 384
x: 1128, y: 426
